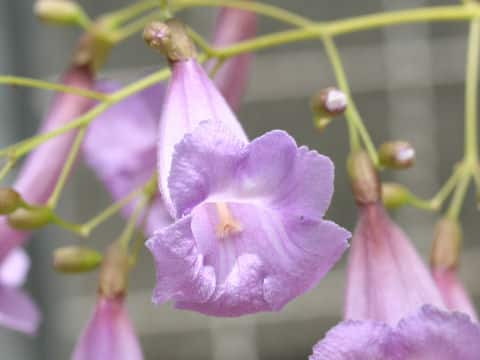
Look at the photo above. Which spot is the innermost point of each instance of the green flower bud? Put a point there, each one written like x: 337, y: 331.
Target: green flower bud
x: 58, y: 11
x: 76, y: 259
x: 395, y: 195
x: 447, y: 244
x: 10, y: 200
x: 30, y: 219
x: 396, y: 155
x: 364, y: 178
x: 114, y: 272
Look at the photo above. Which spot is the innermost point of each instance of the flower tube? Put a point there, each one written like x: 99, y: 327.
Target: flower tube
x: 249, y: 234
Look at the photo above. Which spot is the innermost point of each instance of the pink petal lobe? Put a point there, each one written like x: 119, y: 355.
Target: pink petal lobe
x: 14, y: 268
x: 17, y: 311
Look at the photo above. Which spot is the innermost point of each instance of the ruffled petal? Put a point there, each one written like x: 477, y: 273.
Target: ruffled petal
x: 17, y: 311
x: 108, y: 335
x: 191, y: 99
x: 121, y: 146
x: 432, y: 334
x: 259, y: 266
x: 180, y: 271
x: 14, y: 268
x: 386, y: 277
x: 359, y: 340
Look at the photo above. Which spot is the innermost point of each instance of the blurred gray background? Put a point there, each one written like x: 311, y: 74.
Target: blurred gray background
x: 408, y: 84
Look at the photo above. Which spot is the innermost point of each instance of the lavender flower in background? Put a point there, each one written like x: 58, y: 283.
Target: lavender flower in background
x: 444, y: 267
x: 109, y: 333
x: 249, y: 234
x: 42, y: 168
x: 233, y: 25
x: 393, y: 309
x: 17, y: 311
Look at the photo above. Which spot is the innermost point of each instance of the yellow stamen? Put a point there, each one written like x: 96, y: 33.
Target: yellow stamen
x: 227, y: 224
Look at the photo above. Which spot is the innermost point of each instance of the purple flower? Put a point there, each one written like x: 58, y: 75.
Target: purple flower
x: 109, y: 334
x: 42, y: 168
x: 17, y: 311
x: 453, y: 292
x: 232, y: 26
x: 249, y: 234
x: 121, y: 147
x: 428, y: 334
x: 386, y: 277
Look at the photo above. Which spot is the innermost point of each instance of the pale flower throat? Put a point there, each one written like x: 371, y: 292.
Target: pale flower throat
x: 227, y: 225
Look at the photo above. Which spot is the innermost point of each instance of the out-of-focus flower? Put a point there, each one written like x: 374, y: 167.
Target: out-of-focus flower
x: 393, y: 309
x: 232, y: 26
x: 428, y: 334
x: 250, y: 235
x: 109, y: 333
x: 40, y: 172
x: 120, y: 146
x: 444, y: 267
x: 17, y: 311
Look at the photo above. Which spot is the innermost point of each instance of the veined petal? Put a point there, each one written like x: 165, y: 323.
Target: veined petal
x: 191, y: 98
x: 17, y: 311
x: 454, y: 293
x: 108, y: 335
x: 14, y: 268
x: 259, y: 266
x: 386, y: 278
x: 431, y: 334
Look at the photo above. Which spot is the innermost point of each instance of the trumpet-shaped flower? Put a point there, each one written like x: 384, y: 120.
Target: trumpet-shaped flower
x: 249, y: 234
x: 109, y: 334
x: 42, y: 168
x: 17, y: 311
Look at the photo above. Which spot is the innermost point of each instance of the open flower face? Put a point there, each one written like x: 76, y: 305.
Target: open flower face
x: 249, y: 235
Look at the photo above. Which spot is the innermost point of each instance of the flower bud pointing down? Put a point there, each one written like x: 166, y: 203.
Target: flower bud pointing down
x: 76, y: 259
x: 364, y: 178
x: 114, y: 272
x: 10, y: 200
x: 446, y: 244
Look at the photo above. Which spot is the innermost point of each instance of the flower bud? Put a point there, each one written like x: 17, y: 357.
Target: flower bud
x: 76, y: 259
x: 10, y: 200
x: 329, y: 102
x: 395, y: 195
x: 30, y: 219
x: 446, y: 244
x: 364, y: 178
x: 397, y: 155
x: 58, y: 11
x: 321, y: 123
x: 114, y: 272
x: 171, y: 39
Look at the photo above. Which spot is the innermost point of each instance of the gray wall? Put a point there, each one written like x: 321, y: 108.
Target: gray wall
x: 408, y: 83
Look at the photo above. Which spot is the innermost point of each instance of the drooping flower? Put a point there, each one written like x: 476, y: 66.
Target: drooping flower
x: 42, y: 168
x: 249, y: 234
x: 393, y: 309
x: 17, y: 311
x: 444, y: 267
x: 109, y: 333
x: 121, y: 144
x: 233, y: 25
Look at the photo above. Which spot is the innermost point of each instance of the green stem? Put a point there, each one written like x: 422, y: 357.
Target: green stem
x: 129, y: 230
x: 447, y: 188
x: 34, y: 83
x: 137, y: 25
x: 67, y: 167
x: 471, y: 90
x: 9, y: 165
x: 121, y: 16
x: 459, y: 195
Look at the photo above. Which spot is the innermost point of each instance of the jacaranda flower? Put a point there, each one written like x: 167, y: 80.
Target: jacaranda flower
x: 17, y: 311
x: 249, y: 234
x: 40, y: 172
x: 393, y: 309
x: 121, y: 144
x: 109, y: 334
